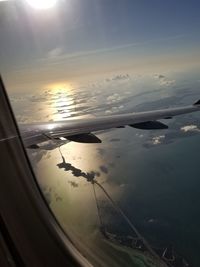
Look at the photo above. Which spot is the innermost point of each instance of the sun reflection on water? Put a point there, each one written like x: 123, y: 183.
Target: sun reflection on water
x: 61, y: 100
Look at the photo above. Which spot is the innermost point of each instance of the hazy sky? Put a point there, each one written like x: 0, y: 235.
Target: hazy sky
x: 78, y: 37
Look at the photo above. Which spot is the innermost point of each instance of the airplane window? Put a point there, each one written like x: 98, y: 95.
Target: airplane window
x: 119, y: 169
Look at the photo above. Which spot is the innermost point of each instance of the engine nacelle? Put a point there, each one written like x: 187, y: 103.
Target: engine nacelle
x: 150, y: 125
x: 84, y: 138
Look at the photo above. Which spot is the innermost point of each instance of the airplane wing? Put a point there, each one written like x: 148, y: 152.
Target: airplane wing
x: 80, y: 130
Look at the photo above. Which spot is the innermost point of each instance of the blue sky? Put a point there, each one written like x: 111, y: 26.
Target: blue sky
x: 78, y: 36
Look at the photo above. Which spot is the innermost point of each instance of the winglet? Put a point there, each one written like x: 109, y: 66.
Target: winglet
x: 197, y: 103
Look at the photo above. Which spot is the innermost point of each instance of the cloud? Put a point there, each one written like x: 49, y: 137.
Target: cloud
x: 54, y: 53
x: 157, y: 140
x: 87, y: 53
x: 113, y: 98
x: 119, y: 77
x: 164, y: 81
x: 114, y: 110
x: 140, y: 135
x: 190, y: 128
x: 172, y: 136
x: 115, y: 103
x: 103, y: 169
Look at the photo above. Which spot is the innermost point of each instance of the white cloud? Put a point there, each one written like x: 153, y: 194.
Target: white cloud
x: 113, y: 98
x: 140, y: 135
x: 190, y: 128
x: 158, y: 139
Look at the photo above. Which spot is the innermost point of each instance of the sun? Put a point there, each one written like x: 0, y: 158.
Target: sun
x: 41, y: 4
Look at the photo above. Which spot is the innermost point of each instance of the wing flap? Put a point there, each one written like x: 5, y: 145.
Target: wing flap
x: 197, y: 103
x: 84, y: 138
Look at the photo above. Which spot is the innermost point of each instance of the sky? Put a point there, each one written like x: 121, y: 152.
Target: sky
x: 78, y: 38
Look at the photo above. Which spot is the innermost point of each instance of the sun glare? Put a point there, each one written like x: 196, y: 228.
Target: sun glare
x: 41, y: 4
